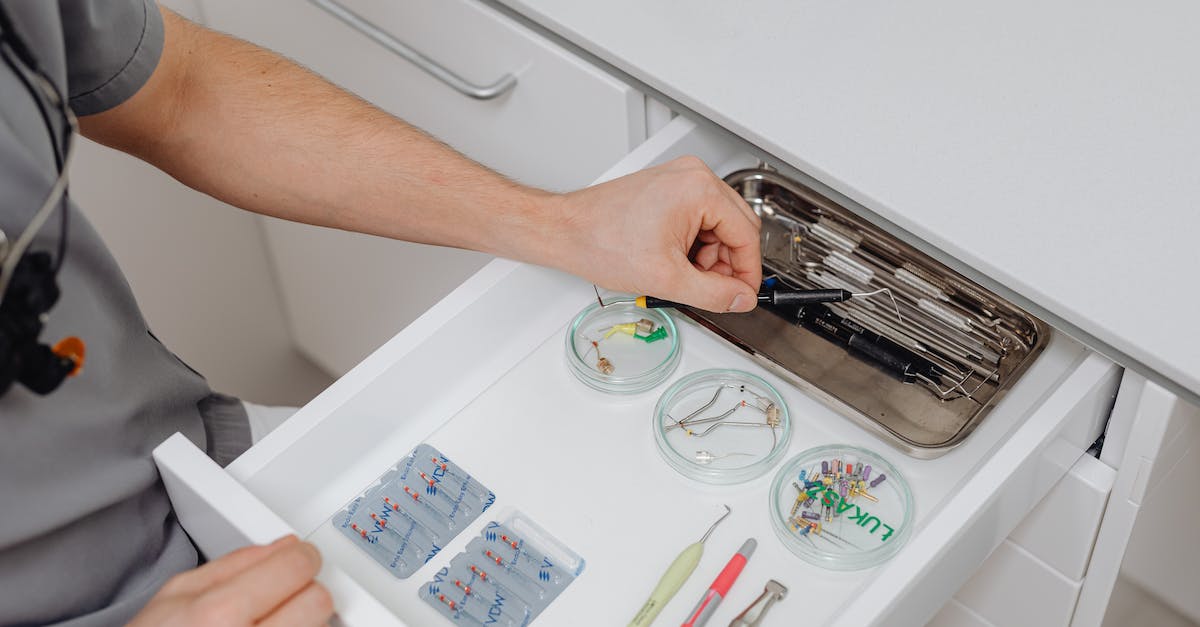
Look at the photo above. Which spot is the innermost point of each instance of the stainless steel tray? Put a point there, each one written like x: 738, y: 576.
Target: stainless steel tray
x: 975, y: 342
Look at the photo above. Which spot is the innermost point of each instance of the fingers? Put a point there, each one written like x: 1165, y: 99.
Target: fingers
x: 675, y: 231
x: 225, y: 567
x: 713, y: 258
x: 728, y: 219
x: 259, y: 589
x: 741, y: 204
x: 311, y: 606
x: 721, y: 186
x: 707, y: 255
x: 726, y: 268
x: 723, y: 255
x: 740, y: 240
x: 720, y: 267
x: 714, y: 291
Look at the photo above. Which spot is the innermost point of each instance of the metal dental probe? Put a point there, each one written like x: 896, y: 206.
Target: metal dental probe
x: 673, y: 579
x: 907, y: 332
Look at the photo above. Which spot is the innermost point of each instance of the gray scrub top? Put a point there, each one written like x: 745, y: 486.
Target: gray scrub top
x: 87, y: 534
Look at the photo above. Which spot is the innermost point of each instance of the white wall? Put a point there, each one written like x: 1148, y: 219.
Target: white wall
x: 187, y: 8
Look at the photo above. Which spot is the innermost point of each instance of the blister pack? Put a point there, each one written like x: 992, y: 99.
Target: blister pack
x: 405, y: 517
x: 506, y: 576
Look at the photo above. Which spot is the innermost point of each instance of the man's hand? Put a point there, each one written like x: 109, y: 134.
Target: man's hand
x: 674, y: 231
x: 258, y: 585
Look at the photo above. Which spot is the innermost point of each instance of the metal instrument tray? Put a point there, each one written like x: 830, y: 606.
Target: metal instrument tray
x: 979, y: 343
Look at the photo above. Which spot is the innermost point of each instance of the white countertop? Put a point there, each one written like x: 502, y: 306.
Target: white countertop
x: 1054, y: 147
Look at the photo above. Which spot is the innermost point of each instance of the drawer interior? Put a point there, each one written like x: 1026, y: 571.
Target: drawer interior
x: 483, y: 378
x: 584, y: 466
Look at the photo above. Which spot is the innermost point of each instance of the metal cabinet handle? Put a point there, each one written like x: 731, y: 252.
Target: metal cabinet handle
x: 479, y: 92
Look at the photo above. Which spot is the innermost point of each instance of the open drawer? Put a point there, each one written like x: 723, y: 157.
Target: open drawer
x: 481, y: 376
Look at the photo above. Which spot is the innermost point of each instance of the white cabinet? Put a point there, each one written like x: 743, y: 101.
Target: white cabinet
x: 1061, y: 530
x: 1043, y: 561
x: 1015, y: 588
x: 1059, y: 566
x: 562, y: 124
x: 1152, y: 434
x: 1162, y: 554
x: 513, y: 412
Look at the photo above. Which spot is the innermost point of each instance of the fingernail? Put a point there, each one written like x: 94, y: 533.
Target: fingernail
x: 741, y: 302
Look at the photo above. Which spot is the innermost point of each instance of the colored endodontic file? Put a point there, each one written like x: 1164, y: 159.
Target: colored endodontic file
x: 405, y: 517
x: 507, y: 576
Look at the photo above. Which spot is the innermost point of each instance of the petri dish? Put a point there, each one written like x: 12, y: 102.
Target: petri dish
x: 850, y: 510
x: 622, y: 348
x: 735, y: 426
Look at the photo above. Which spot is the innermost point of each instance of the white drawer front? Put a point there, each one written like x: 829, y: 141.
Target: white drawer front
x: 561, y: 126
x: 1149, y: 435
x: 991, y: 501
x: 955, y: 614
x: 1162, y: 553
x: 583, y: 464
x: 1061, y: 529
x: 1044, y: 559
x: 1015, y: 589
x: 220, y: 516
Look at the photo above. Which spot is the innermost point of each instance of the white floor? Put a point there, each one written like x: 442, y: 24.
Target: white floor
x: 1132, y: 605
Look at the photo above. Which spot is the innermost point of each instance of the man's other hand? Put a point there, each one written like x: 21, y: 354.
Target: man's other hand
x: 258, y: 585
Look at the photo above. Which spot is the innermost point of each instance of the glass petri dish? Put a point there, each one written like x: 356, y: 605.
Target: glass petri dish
x: 727, y: 435
x: 829, y: 522
x: 622, y: 348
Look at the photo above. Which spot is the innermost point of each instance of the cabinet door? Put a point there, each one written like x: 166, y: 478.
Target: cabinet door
x: 1150, y: 437
x: 561, y: 125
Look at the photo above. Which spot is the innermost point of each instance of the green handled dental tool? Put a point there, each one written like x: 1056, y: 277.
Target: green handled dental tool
x: 673, y: 579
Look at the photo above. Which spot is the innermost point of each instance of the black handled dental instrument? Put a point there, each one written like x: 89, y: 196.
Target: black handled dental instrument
x: 896, y: 360
x: 768, y: 297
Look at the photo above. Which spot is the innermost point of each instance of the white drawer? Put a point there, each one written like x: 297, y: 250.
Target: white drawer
x: 1061, y: 530
x: 955, y: 614
x: 481, y: 376
x: 1015, y: 589
x: 562, y: 125
x: 1044, y: 559
x: 1162, y: 554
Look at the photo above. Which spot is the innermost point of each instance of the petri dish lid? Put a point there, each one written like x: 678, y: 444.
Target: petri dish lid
x: 727, y: 435
x: 622, y: 348
x: 836, y: 526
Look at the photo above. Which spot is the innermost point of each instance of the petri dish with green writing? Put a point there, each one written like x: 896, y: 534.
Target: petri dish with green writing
x: 841, y: 507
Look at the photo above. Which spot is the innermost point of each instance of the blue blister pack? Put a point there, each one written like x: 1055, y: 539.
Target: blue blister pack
x: 507, y: 576
x: 406, y: 516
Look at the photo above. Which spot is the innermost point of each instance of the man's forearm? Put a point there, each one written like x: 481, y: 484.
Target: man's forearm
x: 255, y: 130
x: 217, y: 105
